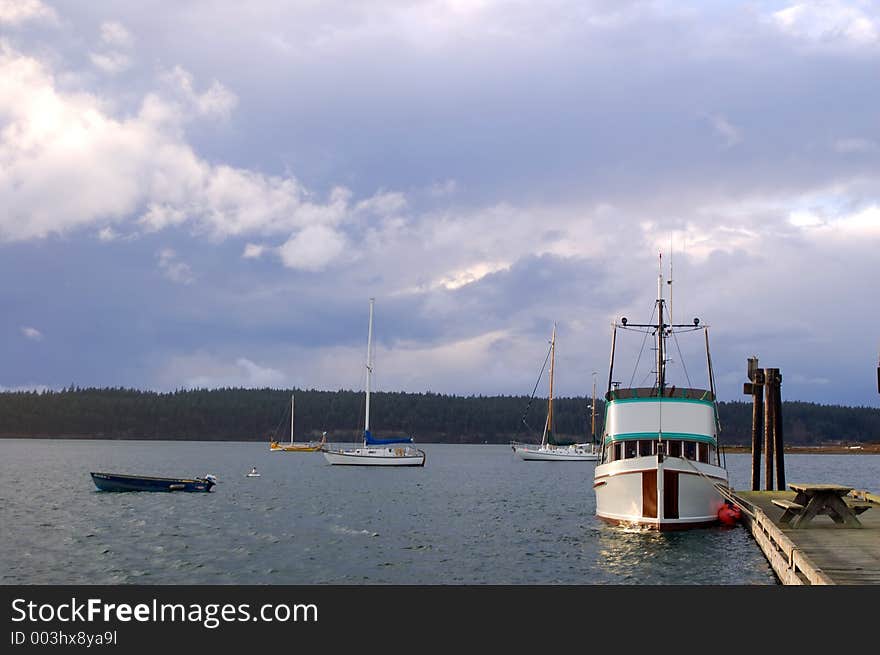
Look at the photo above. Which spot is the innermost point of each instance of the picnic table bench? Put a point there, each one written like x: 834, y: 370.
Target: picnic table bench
x: 812, y: 500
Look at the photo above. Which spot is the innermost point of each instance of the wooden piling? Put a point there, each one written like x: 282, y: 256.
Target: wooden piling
x: 765, y: 388
x: 769, y: 424
x: 755, y: 389
x: 778, y: 447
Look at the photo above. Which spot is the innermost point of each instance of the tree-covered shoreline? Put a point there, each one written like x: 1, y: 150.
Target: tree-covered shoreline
x: 236, y: 414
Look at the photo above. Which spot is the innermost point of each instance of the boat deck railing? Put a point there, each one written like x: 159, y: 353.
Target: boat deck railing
x: 653, y: 392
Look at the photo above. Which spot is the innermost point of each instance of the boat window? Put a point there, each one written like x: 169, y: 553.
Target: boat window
x: 703, y: 452
x: 690, y: 450
x: 673, y: 448
x: 631, y: 449
x: 646, y: 448
x: 618, y: 452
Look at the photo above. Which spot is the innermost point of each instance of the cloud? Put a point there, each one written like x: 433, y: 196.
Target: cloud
x: 15, y: 12
x: 108, y: 234
x: 111, y: 62
x: 173, y: 269
x: 205, y: 370
x: 114, y: 38
x: 730, y: 134
x: 115, y: 34
x: 216, y: 101
x: 470, y: 274
x: 32, y: 333
x: 383, y: 203
x: 253, y: 251
x: 103, y: 168
x: 64, y: 142
x: 441, y: 189
x: 828, y: 22
x: 314, y: 248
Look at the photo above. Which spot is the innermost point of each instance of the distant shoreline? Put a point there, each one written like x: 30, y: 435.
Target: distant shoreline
x: 829, y: 449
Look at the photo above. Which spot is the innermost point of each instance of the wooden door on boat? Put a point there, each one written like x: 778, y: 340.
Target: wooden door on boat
x: 649, y: 494
x: 670, y: 494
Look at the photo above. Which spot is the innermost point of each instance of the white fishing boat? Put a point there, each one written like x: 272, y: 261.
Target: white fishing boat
x: 549, y: 450
x: 395, y: 451
x: 660, y: 466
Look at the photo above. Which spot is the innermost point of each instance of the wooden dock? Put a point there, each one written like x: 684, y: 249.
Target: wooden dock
x: 822, y: 552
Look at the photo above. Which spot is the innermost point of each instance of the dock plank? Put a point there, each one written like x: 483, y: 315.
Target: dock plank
x: 836, y: 553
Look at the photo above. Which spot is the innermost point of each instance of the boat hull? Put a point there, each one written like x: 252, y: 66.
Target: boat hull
x: 543, y: 454
x: 304, y: 448
x: 119, y: 482
x: 672, y: 494
x: 375, y: 457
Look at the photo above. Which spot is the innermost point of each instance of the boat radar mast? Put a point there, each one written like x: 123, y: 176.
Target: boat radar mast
x: 661, y: 330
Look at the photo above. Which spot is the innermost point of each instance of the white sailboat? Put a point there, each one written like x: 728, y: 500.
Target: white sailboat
x: 660, y: 466
x: 548, y: 450
x: 376, y: 452
x: 294, y: 447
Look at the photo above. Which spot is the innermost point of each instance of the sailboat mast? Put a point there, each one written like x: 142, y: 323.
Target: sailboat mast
x: 593, y: 413
x: 369, y: 371
x: 550, y: 396
x: 291, y: 419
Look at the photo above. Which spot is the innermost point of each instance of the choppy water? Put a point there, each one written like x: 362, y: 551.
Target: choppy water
x: 472, y: 515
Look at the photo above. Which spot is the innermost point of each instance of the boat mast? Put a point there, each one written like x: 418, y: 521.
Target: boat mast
x: 550, y: 397
x: 369, y: 371
x: 548, y: 424
x: 661, y: 336
x: 611, y: 363
x: 291, y: 419
x: 593, y: 416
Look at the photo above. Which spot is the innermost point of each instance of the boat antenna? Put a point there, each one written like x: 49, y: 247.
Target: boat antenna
x: 669, y: 282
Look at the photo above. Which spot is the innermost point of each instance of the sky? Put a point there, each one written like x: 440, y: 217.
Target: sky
x: 206, y: 194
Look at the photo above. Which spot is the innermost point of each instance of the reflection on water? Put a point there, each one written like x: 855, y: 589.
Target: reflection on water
x: 711, y: 556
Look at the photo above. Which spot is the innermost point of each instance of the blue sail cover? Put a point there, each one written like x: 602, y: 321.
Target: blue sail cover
x: 370, y: 441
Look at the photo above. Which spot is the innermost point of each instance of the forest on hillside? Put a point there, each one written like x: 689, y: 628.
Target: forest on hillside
x: 236, y: 414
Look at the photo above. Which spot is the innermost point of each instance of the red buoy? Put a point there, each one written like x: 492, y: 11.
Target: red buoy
x: 729, y: 514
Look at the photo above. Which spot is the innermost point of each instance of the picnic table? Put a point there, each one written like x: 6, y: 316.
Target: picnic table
x: 815, y: 499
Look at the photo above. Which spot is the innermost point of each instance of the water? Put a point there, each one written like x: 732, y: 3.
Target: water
x: 472, y: 515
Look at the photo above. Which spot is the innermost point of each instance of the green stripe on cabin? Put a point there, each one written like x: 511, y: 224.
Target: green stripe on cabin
x: 654, y: 399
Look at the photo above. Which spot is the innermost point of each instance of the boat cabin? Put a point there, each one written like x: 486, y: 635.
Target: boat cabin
x: 686, y: 418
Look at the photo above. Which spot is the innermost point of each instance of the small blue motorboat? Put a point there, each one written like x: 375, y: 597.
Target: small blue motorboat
x: 119, y: 482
